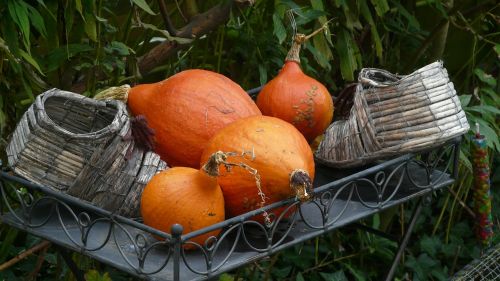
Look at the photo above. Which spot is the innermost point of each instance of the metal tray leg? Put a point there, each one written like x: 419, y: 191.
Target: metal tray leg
x: 77, y: 272
x: 406, y: 238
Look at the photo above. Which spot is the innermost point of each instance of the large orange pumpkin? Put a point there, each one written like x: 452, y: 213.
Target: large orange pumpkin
x: 187, y: 109
x: 297, y: 98
x: 271, y: 146
x: 185, y: 196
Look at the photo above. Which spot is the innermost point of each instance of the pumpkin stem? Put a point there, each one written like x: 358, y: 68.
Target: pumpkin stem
x: 294, y: 52
x: 300, y: 182
x: 116, y: 93
x: 211, y: 167
x: 298, y: 40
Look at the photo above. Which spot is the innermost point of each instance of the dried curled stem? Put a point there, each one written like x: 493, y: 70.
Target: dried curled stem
x: 299, y: 39
x: 211, y: 167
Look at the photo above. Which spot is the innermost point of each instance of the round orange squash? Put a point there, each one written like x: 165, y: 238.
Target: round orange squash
x: 275, y: 149
x: 183, y: 195
x: 187, y: 109
x: 297, y: 98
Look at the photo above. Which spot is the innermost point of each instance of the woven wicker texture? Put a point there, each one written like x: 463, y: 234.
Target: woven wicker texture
x: 394, y: 114
x: 83, y: 147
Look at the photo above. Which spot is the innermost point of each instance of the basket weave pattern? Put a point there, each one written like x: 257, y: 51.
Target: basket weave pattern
x: 394, y: 114
x: 83, y: 147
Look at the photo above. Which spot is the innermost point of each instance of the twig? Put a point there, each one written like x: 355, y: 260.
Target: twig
x: 330, y: 262
x: 166, y: 18
x: 471, y: 213
x: 38, y: 266
x: 274, y: 259
x: 25, y: 254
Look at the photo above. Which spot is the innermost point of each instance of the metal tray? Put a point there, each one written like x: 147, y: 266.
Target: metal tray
x: 341, y: 197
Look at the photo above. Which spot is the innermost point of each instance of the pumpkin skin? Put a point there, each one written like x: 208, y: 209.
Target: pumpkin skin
x: 185, y: 196
x: 298, y: 99
x: 187, y: 109
x: 278, y: 149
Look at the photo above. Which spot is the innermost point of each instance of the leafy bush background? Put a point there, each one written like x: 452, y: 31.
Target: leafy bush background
x: 85, y: 46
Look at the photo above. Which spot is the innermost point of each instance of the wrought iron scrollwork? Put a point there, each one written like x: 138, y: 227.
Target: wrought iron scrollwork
x: 140, y: 249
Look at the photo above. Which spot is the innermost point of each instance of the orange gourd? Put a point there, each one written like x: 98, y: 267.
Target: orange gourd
x: 187, y: 109
x: 186, y: 196
x: 275, y: 150
x: 297, y: 98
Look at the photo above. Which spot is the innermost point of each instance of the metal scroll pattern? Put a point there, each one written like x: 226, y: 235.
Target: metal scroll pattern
x: 136, y: 247
x: 79, y: 227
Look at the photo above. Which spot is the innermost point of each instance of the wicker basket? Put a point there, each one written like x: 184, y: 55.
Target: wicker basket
x: 83, y: 147
x: 392, y: 115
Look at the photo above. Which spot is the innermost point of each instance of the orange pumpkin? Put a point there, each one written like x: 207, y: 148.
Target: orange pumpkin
x: 185, y: 196
x: 275, y: 149
x: 187, y: 109
x: 297, y: 98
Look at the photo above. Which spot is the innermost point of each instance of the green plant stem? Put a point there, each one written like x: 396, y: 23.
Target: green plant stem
x: 441, y: 214
x: 316, y: 251
x: 329, y: 263
x: 452, y: 213
x: 269, y: 269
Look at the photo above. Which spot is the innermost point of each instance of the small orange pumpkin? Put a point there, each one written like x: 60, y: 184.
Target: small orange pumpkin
x: 297, y: 98
x: 189, y: 197
x: 275, y: 149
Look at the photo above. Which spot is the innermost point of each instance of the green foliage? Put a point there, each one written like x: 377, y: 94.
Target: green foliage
x: 85, y: 45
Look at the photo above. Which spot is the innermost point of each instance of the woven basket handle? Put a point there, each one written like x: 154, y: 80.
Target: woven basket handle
x: 374, y: 77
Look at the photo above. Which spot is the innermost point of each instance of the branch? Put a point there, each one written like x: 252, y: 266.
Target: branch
x: 166, y: 19
x: 25, y: 254
x: 200, y: 25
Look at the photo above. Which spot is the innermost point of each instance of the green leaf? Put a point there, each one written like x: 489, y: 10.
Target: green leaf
x: 94, y: 275
x: 345, y: 49
x: 18, y: 11
x: 31, y: 61
x: 440, y: 273
x: 281, y: 273
x: 412, y: 20
x: 430, y: 245
x: 321, y: 45
x: 376, y: 221
x: 79, y: 8
x: 299, y: 277
x: 336, y: 276
x: 465, y: 161
x: 262, y: 74
x: 91, y: 27
x: 358, y: 274
x: 120, y: 48
x: 485, y: 77
x: 494, y: 95
x: 484, y: 109
x: 143, y: 5
x: 7, y: 243
x: 381, y: 7
x: 365, y: 11
x: 279, y: 28
x: 226, y: 277
x: 464, y: 100
x: 57, y: 57
x: 497, y: 50
x: 37, y: 21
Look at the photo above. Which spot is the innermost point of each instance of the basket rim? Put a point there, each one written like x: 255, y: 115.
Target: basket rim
x: 112, y: 127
